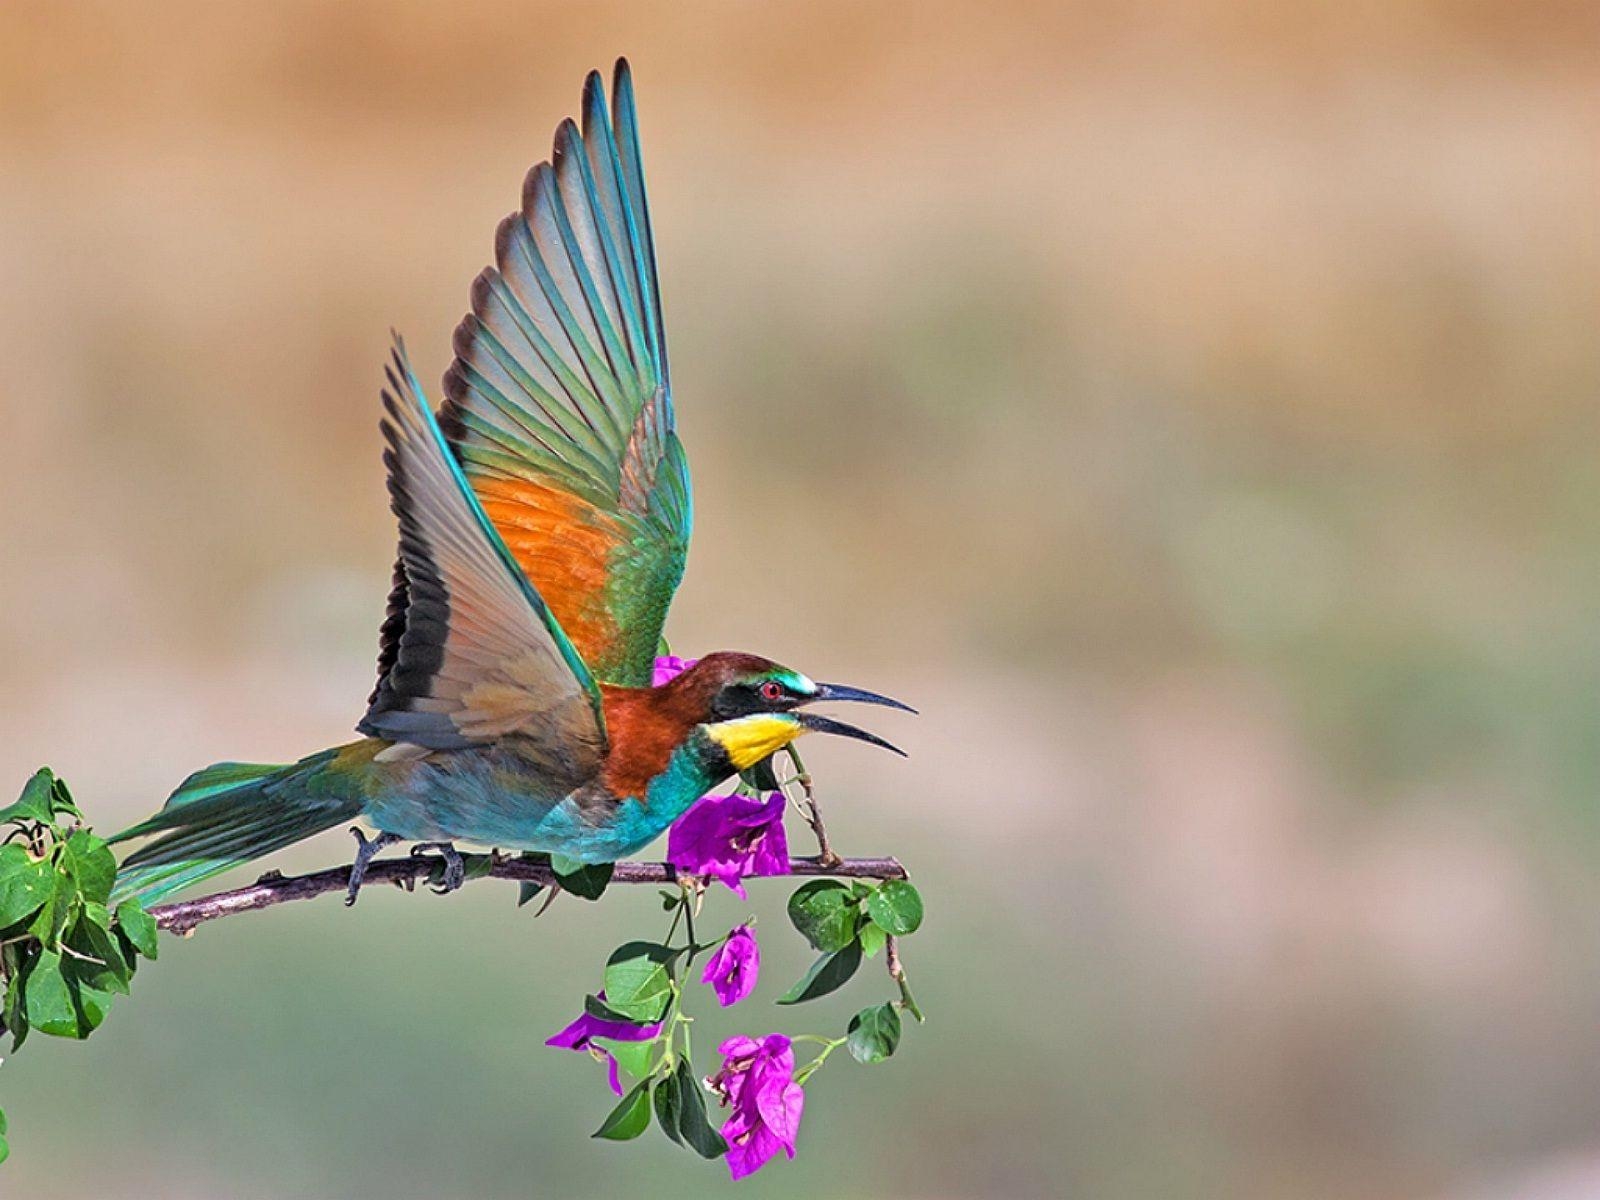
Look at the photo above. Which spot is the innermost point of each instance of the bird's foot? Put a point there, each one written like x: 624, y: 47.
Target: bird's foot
x: 455, y: 868
x: 366, y: 848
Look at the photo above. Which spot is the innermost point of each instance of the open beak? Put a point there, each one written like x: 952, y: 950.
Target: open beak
x: 838, y: 691
x: 828, y: 725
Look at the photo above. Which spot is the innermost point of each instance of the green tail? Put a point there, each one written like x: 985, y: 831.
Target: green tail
x: 229, y: 814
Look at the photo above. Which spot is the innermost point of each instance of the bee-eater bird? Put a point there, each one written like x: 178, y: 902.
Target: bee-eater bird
x: 544, y: 521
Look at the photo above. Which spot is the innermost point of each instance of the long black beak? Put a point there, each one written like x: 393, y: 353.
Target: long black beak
x: 829, y: 725
x: 838, y: 691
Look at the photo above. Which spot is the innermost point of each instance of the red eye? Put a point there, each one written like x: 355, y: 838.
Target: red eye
x: 771, y: 691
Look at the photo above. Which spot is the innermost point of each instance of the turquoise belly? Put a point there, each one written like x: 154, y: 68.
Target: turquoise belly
x: 487, y: 797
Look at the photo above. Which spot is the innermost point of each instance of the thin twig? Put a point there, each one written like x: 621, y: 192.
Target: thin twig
x: 812, y: 810
x: 891, y: 958
x: 272, y: 888
x: 891, y: 955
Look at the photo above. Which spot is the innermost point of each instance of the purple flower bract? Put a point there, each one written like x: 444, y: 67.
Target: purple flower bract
x: 757, y: 1084
x: 731, y: 838
x: 577, y: 1036
x: 733, y: 969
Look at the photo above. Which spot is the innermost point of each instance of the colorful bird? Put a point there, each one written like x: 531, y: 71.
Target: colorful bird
x: 544, y: 522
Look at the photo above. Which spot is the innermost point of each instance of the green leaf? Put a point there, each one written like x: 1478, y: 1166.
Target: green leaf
x: 874, y: 1033
x: 602, y: 1011
x: 638, y: 983
x: 34, y: 803
x: 58, y: 910
x: 15, y: 1010
x: 5, y: 1148
x: 58, y: 995
x: 140, y: 927
x: 102, y: 965
x: 632, y: 1057
x: 669, y: 1107
x: 825, y: 914
x: 581, y: 879
x: 25, y: 884
x: 872, y: 939
x: 93, y: 1004
x: 896, y: 907
x: 61, y: 801
x: 762, y: 777
x: 692, y: 1122
x: 828, y: 974
x: 90, y: 863
x: 629, y: 1118
x: 48, y: 996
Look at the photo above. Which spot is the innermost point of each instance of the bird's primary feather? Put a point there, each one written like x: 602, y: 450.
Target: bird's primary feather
x: 477, y: 656
x: 558, y: 403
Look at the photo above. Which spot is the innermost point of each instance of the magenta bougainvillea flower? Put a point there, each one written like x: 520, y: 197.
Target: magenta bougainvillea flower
x: 757, y: 1085
x: 733, y: 969
x: 731, y: 838
x: 577, y: 1036
x: 668, y: 667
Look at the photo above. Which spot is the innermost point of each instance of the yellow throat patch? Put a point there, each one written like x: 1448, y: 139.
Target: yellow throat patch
x: 747, y: 740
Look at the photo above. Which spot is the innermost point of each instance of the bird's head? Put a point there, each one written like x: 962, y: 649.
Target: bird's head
x: 748, y: 706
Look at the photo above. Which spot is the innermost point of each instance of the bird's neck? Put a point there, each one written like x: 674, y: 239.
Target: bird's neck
x: 657, y: 752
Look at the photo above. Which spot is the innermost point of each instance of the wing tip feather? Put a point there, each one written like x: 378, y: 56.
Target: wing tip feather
x: 567, y: 140
x: 535, y: 187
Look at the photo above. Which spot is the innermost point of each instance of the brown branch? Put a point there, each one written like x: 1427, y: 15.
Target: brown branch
x: 272, y: 888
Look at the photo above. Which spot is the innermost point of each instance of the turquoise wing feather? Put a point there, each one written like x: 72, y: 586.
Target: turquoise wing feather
x: 559, y: 405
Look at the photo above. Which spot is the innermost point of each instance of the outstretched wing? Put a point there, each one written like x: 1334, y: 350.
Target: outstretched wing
x: 470, y: 653
x: 558, y: 406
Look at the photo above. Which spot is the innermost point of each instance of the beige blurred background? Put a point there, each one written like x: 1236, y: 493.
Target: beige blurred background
x: 1192, y: 407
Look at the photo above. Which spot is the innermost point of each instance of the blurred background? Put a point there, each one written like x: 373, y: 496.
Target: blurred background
x: 1193, y: 409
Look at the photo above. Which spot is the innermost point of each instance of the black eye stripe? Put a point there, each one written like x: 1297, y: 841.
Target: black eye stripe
x: 746, y: 698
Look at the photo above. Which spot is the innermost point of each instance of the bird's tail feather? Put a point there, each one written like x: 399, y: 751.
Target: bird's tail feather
x: 229, y: 814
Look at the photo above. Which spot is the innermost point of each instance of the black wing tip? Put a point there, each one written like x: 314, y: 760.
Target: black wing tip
x: 484, y: 283
x: 398, y: 369
x: 399, y: 359
x: 461, y: 340
x: 456, y: 389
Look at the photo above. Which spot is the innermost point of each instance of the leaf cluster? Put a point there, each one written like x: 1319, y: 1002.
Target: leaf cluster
x: 642, y: 990
x: 678, y: 1103
x: 64, y: 952
x: 848, y: 922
